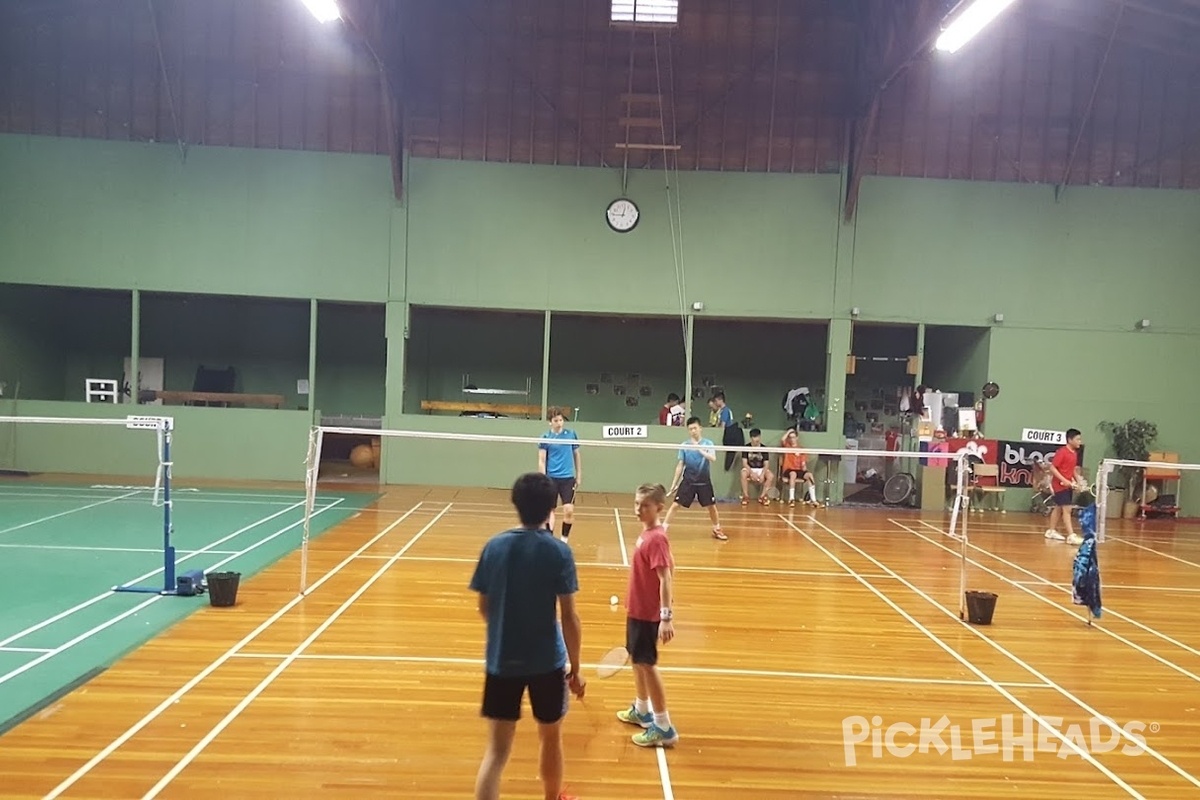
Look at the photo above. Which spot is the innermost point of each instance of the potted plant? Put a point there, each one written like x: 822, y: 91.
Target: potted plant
x: 1131, y: 441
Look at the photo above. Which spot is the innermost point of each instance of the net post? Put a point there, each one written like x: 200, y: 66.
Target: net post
x: 163, y: 428
x: 316, y: 438
x: 169, y: 585
x: 1102, y: 472
x: 957, y: 515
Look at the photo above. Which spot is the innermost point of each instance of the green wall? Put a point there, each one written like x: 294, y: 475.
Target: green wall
x: 513, y: 236
x: 1071, y: 275
x: 956, y: 358
x: 249, y: 443
x: 956, y: 252
x: 123, y: 215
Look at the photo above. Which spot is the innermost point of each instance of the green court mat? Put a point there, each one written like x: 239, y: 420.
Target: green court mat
x: 63, y: 549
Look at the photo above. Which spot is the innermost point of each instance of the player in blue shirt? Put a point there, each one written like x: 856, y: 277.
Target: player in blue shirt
x: 693, y: 478
x: 523, y: 576
x: 559, y: 460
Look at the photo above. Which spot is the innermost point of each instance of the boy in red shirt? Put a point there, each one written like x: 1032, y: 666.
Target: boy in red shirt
x: 1063, y: 469
x: 649, y: 619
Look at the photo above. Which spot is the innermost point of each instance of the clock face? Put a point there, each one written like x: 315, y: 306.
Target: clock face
x: 622, y: 215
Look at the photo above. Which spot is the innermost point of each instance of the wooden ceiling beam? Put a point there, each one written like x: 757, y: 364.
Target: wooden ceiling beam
x: 374, y: 26
x: 903, y: 47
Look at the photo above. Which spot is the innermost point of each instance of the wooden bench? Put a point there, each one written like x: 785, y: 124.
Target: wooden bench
x: 508, y: 409
x: 175, y: 398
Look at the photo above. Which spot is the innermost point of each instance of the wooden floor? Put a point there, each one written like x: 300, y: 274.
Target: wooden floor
x: 794, y: 637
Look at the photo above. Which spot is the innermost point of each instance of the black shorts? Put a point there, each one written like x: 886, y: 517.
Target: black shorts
x: 695, y: 491
x: 1064, y: 498
x: 800, y: 474
x: 641, y: 640
x: 547, y: 695
x: 566, y: 489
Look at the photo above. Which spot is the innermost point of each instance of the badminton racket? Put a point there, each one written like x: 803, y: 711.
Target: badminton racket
x: 612, y: 662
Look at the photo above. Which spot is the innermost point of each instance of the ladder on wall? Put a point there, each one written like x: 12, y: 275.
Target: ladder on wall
x: 647, y: 119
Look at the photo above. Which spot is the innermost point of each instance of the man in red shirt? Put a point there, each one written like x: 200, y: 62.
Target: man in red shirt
x: 1063, y: 469
x: 649, y: 618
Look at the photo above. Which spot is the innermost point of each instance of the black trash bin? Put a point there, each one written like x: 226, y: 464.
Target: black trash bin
x: 223, y: 588
x: 980, y: 607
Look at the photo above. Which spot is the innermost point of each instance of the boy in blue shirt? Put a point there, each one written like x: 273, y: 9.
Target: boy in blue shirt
x: 693, y: 478
x: 523, y: 577
x: 559, y: 460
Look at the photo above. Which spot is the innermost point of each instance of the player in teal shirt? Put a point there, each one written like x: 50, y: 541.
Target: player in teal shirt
x: 693, y: 477
x: 558, y: 459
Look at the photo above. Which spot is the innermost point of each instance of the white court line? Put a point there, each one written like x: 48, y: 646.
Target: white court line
x: 1111, y: 586
x: 177, y: 492
x: 236, y: 711
x: 176, y: 499
x: 621, y: 538
x: 951, y: 651
x: 101, y: 627
x: 1139, y: 546
x: 24, y: 649
x: 12, y: 673
x: 11, y: 546
x: 678, y: 567
x: 664, y: 774
x: 80, y: 606
x: 1068, y: 609
x: 132, y: 731
x: 65, y: 513
x: 1025, y: 665
x: 729, y: 672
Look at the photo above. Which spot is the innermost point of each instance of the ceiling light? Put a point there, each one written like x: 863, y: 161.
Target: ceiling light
x: 974, y: 18
x: 323, y: 10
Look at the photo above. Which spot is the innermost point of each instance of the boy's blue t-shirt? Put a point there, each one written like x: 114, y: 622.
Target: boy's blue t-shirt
x: 695, y: 465
x: 725, y: 417
x: 560, y: 458
x: 523, y: 572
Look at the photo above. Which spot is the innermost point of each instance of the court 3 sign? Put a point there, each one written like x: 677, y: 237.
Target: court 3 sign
x: 1043, y: 437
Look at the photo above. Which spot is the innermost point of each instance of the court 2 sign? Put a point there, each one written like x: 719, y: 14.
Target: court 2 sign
x: 625, y: 431
x: 1043, y: 437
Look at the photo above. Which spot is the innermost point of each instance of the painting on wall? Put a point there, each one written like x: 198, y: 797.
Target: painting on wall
x: 592, y: 388
x: 631, y: 401
x: 646, y: 391
x: 619, y: 389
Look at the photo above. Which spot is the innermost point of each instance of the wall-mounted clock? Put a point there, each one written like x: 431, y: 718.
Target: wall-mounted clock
x: 622, y: 215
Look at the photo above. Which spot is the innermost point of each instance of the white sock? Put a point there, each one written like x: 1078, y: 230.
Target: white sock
x: 792, y: 492
x: 662, y: 721
x: 641, y: 706
x: 812, y: 492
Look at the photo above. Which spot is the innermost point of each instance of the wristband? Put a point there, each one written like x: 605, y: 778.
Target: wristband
x: 665, y: 614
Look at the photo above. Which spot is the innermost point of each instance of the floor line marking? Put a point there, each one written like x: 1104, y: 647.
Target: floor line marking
x: 195, y: 680
x: 67, y: 512
x: 621, y: 538
x: 254, y: 693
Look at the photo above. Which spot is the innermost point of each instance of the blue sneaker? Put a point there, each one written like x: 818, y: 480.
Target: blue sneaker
x: 632, y: 717
x: 655, y: 736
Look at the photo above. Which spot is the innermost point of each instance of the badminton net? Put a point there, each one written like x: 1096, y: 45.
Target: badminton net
x: 439, y: 463
x: 57, y: 472
x: 1141, y: 490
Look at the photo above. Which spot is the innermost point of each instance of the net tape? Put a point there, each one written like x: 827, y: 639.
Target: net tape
x: 163, y: 427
